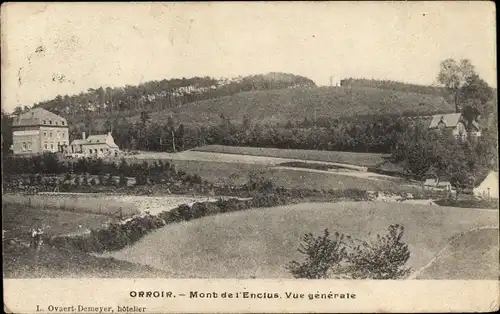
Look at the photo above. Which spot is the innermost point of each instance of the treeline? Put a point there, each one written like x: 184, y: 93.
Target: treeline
x: 394, y: 85
x: 160, y: 95
x: 361, y: 134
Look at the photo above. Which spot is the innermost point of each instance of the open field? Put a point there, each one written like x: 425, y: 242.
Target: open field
x: 325, y: 180
x: 294, y: 104
x: 24, y: 262
x: 473, y: 256
x: 258, y: 243
x: 107, y: 204
x: 83, y: 203
x: 360, y: 159
x: 232, y: 168
x: 17, y: 220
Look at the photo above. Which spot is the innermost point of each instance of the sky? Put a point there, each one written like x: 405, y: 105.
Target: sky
x: 66, y: 48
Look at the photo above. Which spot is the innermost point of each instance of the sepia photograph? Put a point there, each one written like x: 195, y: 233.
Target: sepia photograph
x: 249, y: 156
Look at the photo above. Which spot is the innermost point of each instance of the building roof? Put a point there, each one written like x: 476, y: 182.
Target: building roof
x: 37, y: 116
x: 101, y: 139
x: 450, y: 120
x: 79, y: 142
x: 432, y: 182
x: 491, y: 174
x: 94, y: 139
x: 475, y: 124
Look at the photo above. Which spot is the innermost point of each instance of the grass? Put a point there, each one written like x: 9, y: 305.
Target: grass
x: 219, y: 172
x: 305, y: 178
x: 74, y: 203
x: 359, y: 159
x: 474, y: 256
x: 18, y: 220
x: 23, y: 262
x: 55, y: 263
x: 280, y: 106
x: 258, y: 243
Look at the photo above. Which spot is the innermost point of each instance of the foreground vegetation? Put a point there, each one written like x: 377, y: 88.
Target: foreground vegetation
x: 260, y: 242
x: 346, y: 257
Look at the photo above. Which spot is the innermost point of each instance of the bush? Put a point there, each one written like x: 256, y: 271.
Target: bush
x: 323, y: 255
x: 384, y: 258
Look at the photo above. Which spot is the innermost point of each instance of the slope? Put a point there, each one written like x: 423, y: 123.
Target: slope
x: 295, y: 104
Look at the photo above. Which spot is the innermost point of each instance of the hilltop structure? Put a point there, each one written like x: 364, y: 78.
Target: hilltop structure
x: 38, y: 131
x: 102, y: 144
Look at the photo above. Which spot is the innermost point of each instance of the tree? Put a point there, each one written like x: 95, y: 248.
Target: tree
x: 453, y: 76
x: 384, y: 258
x: 322, y: 253
x: 473, y: 96
x: 17, y: 111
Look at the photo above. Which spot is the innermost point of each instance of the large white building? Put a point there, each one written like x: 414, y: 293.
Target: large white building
x: 38, y: 131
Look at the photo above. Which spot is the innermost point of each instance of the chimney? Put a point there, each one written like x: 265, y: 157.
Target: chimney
x: 83, y: 135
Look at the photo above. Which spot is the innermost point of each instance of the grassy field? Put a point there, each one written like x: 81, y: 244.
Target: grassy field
x: 23, y: 262
x: 258, y: 243
x: 310, y: 179
x: 220, y: 172
x: 280, y: 106
x: 360, y: 159
x: 89, y: 203
x: 473, y: 256
x: 17, y: 220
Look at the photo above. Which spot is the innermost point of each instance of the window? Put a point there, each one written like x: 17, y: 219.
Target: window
x: 44, y: 133
x: 52, y: 146
x: 44, y: 122
x: 50, y: 134
x: 29, y: 145
x: 62, y: 122
x: 24, y: 146
x: 50, y: 121
x: 101, y: 150
x: 45, y: 145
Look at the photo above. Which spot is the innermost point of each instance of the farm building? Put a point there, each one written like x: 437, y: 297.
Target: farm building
x: 455, y: 123
x: 488, y: 188
x: 102, y: 144
x: 38, y: 131
x: 436, y: 184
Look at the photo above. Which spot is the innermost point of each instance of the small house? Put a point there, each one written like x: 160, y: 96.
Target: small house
x: 488, y: 188
x: 455, y: 123
x: 102, y: 144
x: 436, y: 184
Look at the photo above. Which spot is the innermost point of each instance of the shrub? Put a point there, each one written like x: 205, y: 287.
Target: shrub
x: 383, y: 259
x: 323, y: 255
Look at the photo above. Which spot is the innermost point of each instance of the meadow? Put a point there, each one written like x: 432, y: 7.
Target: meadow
x: 295, y: 104
x: 258, y: 243
x: 474, y: 256
x: 81, y: 203
x: 24, y: 262
x: 359, y: 159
